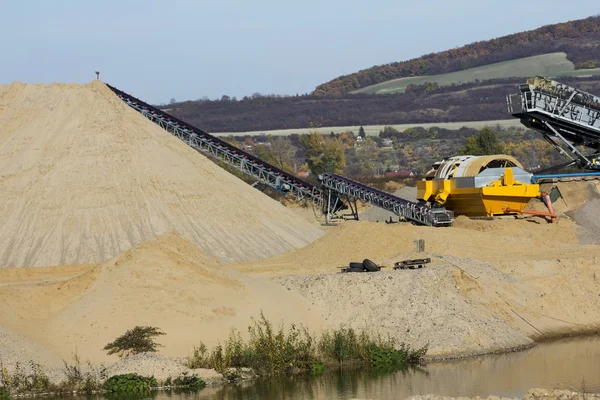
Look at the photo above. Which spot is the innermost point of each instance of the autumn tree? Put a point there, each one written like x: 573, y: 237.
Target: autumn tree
x: 367, y: 156
x: 277, y: 151
x: 323, y: 155
x: 484, y: 143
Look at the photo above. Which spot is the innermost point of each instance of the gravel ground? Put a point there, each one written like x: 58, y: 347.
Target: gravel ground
x: 531, y: 395
x: 161, y: 367
x: 417, y: 307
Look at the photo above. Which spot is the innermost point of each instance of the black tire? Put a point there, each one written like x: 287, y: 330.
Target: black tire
x: 370, y: 265
x: 355, y: 265
x: 361, y: 269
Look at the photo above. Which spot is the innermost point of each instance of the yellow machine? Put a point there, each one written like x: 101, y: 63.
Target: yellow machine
x: 478, y: 185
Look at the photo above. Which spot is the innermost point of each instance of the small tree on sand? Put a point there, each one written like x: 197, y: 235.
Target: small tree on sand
x: 137, y: 340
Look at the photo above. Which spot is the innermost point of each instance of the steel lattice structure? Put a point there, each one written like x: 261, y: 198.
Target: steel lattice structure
x: 413, y: 212
x: 567, y: 117
x: 333, y: 186
x: 217, y: 148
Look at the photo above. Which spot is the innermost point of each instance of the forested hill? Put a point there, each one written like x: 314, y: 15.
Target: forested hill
x: 578, y: 39
x: 474, y: 101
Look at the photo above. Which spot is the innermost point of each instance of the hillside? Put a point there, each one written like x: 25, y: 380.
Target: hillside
x: 553, y: 64
x: 577, y: 39
x: 475, y: 101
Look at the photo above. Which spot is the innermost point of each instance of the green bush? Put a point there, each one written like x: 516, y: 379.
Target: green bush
x: 137, y: 340
x: 275, y: 352
x: 316, y: 369
x: 4, y: 393
x: 383, y: 357
x: 270, y: 351
x: 129, y: 383
x: 344, y: 345
x: 189, y: 381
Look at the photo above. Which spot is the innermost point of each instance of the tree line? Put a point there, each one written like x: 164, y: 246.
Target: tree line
x: 412, y: 150
x: 475, y: 101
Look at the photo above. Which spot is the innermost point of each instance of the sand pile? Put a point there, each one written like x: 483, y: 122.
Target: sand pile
x: 506, y: 239
x: 421, y: 307
x: 492, y: 285
x: 168, y: 283
x: 83, y: 178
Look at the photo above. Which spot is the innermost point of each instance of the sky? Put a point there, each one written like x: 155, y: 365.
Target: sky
x: 185, y: 49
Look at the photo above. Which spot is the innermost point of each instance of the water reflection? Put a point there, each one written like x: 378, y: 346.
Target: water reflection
x: 572, y: 363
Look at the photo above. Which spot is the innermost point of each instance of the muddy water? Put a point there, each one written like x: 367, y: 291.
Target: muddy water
x: 570, y: 363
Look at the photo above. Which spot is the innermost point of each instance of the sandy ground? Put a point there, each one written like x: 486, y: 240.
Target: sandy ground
x: 83, y: 178
x: 168, y: 283
x: 532, y: 394
x: 144, y: 231
x: 492, y: 286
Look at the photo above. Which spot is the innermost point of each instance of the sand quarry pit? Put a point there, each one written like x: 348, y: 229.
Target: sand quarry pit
x: 108, y: 222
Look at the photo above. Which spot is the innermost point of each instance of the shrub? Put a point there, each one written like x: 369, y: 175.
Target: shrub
x: 200, y: 358
x: 20, y: 381
x: 88, y: 381
x: 189, y: 381
x: 129, y: 383
x: 271, y: 351
x: 316, y: 369
x: 344, y: 345
x: 4, y: 393
x: 137, y: 340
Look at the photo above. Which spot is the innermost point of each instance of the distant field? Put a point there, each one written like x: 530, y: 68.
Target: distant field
x: 373, y: 130
x: 554, y: 65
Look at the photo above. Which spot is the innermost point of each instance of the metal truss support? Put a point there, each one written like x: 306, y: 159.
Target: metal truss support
x: 413, y: 212
x: 333, y: 187
x: 566, y: 117
x: 575, y: 155
x: 219, y: 149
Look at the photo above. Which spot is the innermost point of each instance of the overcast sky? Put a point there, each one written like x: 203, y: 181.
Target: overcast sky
x: 187, y: 49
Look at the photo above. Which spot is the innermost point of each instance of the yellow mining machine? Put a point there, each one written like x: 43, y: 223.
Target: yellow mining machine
x: 568, y: 118
x: 479, y: 185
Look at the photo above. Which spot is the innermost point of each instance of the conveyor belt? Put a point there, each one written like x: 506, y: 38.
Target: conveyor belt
x: 411, y: 211
x: 567, y: 117
x: 220, y: 149
x: 281, y: 180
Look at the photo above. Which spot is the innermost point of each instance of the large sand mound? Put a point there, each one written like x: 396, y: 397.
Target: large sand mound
x: 167, y: 282
x: 84, y: 178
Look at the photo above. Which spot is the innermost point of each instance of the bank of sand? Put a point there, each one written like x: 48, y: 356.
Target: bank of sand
x: 139, y: 227
x: 491, y: 286
x: 83, y: 177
